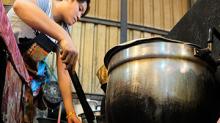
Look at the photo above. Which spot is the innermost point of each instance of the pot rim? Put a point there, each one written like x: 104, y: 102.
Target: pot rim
x: 135, y: 42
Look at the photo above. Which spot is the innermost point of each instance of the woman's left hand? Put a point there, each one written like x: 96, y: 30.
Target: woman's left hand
x: 73, y: 119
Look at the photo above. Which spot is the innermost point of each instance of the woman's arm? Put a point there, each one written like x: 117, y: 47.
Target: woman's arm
x: 65, y: 88
x: 32, y: 15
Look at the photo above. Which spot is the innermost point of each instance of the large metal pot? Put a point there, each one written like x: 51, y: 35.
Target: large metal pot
x: 160, y: 80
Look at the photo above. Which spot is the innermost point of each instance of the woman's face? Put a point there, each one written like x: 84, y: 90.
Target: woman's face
x: 73, y: 11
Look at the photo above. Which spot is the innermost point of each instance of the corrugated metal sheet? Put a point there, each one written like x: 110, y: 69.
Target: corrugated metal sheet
x: 93, y: 41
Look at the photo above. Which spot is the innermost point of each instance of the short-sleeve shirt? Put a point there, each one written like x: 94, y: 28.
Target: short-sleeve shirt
x: 21, y: 29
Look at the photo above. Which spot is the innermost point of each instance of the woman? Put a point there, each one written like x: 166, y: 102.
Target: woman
x: 45, y: 16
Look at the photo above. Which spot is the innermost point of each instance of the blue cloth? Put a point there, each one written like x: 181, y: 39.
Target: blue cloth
x: 41, y: 78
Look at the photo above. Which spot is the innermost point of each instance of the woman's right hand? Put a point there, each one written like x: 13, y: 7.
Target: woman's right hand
x: 69, y: 54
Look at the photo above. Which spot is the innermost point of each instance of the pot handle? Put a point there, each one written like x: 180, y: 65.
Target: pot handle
x: 206, y: 53
x: 213, y: 31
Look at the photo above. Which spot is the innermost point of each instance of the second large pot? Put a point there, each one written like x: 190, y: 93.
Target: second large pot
x: 160, y: 80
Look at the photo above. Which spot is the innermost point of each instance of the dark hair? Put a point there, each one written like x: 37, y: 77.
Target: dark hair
x: 88, y: 6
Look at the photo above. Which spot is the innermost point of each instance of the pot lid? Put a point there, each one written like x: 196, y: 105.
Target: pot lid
x: 131, y: 43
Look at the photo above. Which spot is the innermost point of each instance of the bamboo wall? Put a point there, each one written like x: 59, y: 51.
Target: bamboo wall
x: 94, y: 40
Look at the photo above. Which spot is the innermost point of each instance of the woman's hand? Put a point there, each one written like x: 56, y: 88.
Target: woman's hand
x: 72, y: 118
x: 69, y: 54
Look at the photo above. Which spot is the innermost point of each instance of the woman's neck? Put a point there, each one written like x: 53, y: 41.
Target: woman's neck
x: 56, y: 10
